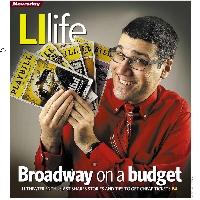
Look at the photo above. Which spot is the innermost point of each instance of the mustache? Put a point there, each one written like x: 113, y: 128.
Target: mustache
x: 125, y: 78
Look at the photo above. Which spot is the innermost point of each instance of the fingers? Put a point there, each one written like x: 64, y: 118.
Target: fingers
x: 66, y: 114
x: 58, y: 108
x: 82, y: 102
x: 76, y: 115
x: 62, y: 112
x: 80, y: 109
x: 72, y: 121
x: 50, y: 101
x: 55, y: 106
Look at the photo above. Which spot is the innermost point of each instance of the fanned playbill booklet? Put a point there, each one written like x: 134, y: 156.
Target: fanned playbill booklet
x: 61, y: 65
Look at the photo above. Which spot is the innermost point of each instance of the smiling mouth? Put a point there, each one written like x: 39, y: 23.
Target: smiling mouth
x: 126, y: 82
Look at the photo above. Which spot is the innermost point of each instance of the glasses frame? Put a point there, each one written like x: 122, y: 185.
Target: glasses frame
x: 134, y: 60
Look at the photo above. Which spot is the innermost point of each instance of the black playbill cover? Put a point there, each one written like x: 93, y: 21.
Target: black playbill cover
x: 100, y: 98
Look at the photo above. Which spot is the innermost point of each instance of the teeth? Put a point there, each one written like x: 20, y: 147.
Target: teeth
x: 126, y: 82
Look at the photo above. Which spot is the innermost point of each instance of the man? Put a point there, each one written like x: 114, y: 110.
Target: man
x: 139, y: 123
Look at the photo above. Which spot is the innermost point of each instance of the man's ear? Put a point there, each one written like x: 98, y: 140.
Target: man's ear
x: 166, y: 68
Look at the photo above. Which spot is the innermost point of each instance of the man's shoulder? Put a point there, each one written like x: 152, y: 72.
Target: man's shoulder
x: 173, y: 99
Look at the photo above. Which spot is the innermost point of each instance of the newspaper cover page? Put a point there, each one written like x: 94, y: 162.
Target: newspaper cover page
x: 100, y: 96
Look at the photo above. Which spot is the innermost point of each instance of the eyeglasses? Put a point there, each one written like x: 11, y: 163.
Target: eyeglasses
x: 134, y: 62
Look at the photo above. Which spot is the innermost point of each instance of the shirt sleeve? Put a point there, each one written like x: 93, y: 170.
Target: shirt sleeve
x: 47, y: 161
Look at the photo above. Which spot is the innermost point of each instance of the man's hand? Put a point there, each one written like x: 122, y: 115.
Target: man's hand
x: 82, y: 120
x: 53, y: 117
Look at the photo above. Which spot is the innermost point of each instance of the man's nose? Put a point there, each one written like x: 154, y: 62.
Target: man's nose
x: 124, y: 68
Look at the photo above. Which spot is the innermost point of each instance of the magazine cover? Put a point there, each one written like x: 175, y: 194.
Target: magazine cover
x: 100, y: 97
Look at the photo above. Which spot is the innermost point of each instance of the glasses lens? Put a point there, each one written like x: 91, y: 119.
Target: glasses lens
x: 116, y: 56
x: 119, y: 57
x: 134, y: 62
x: 137, y: 63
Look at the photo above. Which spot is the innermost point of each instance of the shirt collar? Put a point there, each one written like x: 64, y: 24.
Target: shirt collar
x: 146, y: 105
x: 116, y: 104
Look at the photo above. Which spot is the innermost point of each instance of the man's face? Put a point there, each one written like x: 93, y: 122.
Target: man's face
x: 131, y: 84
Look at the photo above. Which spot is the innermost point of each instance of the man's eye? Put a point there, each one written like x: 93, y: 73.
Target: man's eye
x: 142, y: 61
x: 119, y: 53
